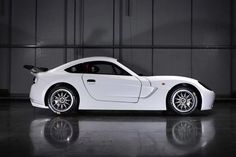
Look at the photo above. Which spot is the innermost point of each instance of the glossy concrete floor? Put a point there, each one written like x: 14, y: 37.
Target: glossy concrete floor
x: 26, y: 131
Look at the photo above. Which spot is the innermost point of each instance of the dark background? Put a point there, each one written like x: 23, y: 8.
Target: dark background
x: 193, y: 38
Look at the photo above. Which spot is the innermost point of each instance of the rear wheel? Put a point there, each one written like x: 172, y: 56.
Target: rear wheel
x: 62, y: 100
x: 183, y: 100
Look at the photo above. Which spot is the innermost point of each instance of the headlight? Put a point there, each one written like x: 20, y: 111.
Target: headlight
x: 204, y: 85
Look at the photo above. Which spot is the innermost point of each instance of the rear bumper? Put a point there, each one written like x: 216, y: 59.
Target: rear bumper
x: 37, y: 104
x: 37, y: 96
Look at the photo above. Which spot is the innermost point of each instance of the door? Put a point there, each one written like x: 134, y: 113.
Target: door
x: 107, y: 82
x: 112, y: 87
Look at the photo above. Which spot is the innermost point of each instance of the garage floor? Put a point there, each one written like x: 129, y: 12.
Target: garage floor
x: 27, y: 131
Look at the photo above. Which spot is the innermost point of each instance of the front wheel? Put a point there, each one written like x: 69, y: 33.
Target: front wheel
x: 183, y: 101
x: 62, y: 100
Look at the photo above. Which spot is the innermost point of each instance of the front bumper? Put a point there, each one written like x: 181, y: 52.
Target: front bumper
x: 208, y: 98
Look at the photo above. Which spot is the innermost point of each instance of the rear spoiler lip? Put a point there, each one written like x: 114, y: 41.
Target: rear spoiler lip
x: 34, y: 69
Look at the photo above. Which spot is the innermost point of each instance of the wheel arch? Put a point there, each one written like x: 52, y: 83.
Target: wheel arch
x: 60, y: 84
x: 199, y: 105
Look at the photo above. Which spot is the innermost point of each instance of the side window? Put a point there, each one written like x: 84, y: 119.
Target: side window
x: 102, y: 68
x: 107, y: 68
x: 75, y: 69
x: 120, y: 71
x: 98, y: 67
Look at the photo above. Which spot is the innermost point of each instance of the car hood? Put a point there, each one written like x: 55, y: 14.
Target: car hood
x: 171, y: 78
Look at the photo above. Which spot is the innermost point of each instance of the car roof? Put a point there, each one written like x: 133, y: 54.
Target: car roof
x: 83, y: 60
x: 99, y: 58
x: 90, y: 59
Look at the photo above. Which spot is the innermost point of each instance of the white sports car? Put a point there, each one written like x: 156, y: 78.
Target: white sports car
x: 102, y: 83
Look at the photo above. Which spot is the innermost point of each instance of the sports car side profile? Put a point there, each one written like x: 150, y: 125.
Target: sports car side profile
x: 102, y: 83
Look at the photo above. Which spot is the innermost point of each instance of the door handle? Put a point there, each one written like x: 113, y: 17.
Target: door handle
x: 91, y: 80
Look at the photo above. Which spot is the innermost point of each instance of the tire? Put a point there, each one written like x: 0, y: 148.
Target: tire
x: 62, y: 100
x: 183, y: 101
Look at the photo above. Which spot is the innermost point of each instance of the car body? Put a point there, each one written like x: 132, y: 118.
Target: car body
x: 102, y: 83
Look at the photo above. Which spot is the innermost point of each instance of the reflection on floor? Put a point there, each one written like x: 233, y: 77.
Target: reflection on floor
x: 27, y: 131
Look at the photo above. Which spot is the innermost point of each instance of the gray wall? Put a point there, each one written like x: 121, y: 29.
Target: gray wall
x: 154, y: 37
